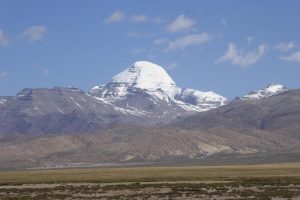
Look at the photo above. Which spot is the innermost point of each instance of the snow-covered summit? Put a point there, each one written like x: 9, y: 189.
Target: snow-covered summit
x: 145, y: 75
x: 270, y: 90
x: 152, y: 79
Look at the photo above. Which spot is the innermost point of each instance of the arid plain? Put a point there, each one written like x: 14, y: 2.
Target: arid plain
x: 265, y: 181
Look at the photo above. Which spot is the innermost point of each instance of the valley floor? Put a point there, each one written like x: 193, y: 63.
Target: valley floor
x: 267, y: 181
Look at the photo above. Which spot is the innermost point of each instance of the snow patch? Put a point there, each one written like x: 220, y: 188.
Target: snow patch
x: 102, y: 100
x: 2, y: 101
x: 131, y: 111
x: 77, y: 104
x: 60, y: 110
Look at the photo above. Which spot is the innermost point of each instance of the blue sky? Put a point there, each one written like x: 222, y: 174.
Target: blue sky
x: 230, y: 47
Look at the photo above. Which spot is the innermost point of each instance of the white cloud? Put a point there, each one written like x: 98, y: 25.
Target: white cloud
x: 4, y: 41
x: 139, y: 18
x: 294, y: 57
x: 285, y: 46
x: 3, y: 75
x: 181, y: 23
x: 34, y: 33
x: 241, y: 58
x: 116, y: 16
x: 188, y: 40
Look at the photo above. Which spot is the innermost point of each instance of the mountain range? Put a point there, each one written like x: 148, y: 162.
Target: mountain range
x: 142, y: 94
x: 141, y: 115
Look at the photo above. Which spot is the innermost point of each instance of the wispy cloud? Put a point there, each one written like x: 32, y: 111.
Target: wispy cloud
x: 3, y: 75
x: 285, y: 46
x: 139, y: 18
x: 188, y: 40
x: 240, y: 57
x: 181, y: 23
x: 116, y: 16
x: 34, y: 33
x: 119, y: 16
x: 294, y: 57
x: 4, y: 41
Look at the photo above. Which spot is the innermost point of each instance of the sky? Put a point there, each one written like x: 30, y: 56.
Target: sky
x: 229, y: 47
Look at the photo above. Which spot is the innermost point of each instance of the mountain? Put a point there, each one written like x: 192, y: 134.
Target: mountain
x: 53, y: 110
x: 265, y: 130
x: 146, y: 79
x: 141, y: 115
x: 268, y: 91
x: 143, y: 94
x: 70, y: 110
x: 278, y: 114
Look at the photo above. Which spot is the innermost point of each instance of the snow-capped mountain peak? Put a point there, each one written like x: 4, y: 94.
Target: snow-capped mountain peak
x: 145, y: 75
x: 144, y: 79
x: 275, y: 88
x: 270, y: 90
